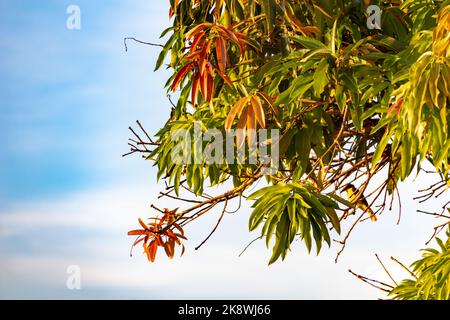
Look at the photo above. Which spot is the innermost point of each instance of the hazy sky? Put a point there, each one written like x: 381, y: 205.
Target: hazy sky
x: 68, y: 198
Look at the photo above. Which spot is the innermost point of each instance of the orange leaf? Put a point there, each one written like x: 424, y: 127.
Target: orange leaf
x: 210, y: 85
x: 196, y: 42
x: 180, y: 229
x: 195, y: 88
x: 194, y: 55
x: 181, y: 74
x: 174, y: 8
x: 136, y: 232
x: 232, y: 36
x: 206, y: 49
x: 152, y: 249
x: 396, y: 106
x: 258, y: 111
x: 218, y: 8
x: 251, y: 126
x: 223, y: 76
x: 204, y: 85
x: 221, y: 52
x: 270, y: 102
x: 162, y: 220
x: 197, y: 29
x: 240, y: 135
x: 236, y: 110
x: 147, y: 251
x: 170, y: 234
x: 142, y: 224
x: 168, y: 249
x: 159, y: 240
x: 202, y: 66
x: 180, y: 236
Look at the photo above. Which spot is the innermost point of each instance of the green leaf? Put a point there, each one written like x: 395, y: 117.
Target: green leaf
x: 281, y: 243
x: 381, y: 147
x: 321, y: 78
x: 165, y: 50
x: 270, y: 11
x: 308, y: 43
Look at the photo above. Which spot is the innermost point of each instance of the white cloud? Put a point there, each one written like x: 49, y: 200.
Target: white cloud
x: 215, y: 271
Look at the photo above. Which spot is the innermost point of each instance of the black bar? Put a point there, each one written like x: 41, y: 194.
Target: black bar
x: 224, y: 309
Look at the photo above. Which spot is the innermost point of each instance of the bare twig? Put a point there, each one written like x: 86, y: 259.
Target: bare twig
x: 404, y: 267
x: 139, y: 41
x: 215, y: 227
x: 386, y: 270
x: 249, y: 245
x: 437, y: 230
x: 374, y: 283
x: 437, y: 215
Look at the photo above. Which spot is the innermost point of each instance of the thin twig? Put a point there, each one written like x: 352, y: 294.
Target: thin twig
x: 404, y: 267
x: 249, y: 245
x: 372, y: 282
x: 437, y: 230
x: 385, y: 269
x: 215, y: 227
x: 139, y: 41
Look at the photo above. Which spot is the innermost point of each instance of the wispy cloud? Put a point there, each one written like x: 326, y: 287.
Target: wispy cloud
x: 89, y: 229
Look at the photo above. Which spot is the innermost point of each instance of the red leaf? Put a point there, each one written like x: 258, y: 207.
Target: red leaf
x: 223, y: 76
x: 169, y: 248
x: 197, y: 29
x: 180, y: 236
x: 206, y: 50
x: 221, y: 52
x: 180, y: 229
x: 194, y: 55
x: 270, y: 102
x: 152, y: 249
x: 202, y: 66
x: 232, y: 36
x: 174, y: 8
x: 258, y: 111
x: 396, y: 106
x: 210, y: 84
x: 162, y: 220
x: 204, y: 85
x: 181, y: 74
x: 197, y: 42
x: 195, y: 88
x: 159, y: 240
x: 142, y: 224
x: 136, y: 232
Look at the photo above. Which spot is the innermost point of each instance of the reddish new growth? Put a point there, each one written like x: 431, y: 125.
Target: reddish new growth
x: 396, y: 106
x: 202, y: 38
x: 163, y: 232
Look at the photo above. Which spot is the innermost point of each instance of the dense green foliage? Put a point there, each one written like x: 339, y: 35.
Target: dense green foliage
x: 431, y: 275
x: 350, y: 103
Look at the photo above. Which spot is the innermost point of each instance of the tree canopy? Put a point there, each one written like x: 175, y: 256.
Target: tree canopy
x: 341, y: 99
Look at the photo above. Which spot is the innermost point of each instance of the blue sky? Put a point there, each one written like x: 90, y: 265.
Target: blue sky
x: 68, y: 198
x: 64, y: 106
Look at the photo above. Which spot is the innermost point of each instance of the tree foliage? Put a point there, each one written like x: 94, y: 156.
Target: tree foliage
x: 351, y: 103
x: 431, y: 275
